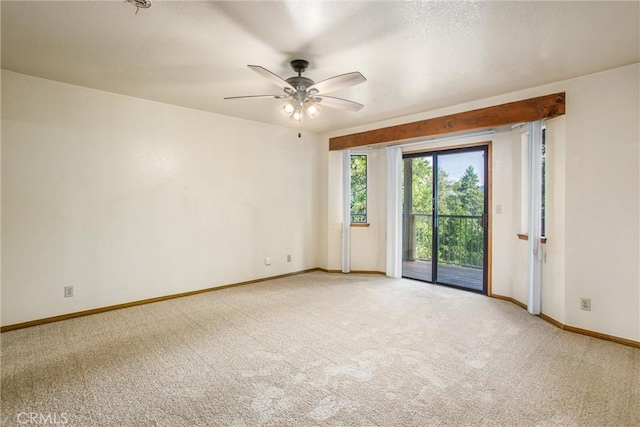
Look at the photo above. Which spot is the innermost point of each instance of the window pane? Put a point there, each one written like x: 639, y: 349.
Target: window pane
x: 359, y: 188
x: 544, y: 172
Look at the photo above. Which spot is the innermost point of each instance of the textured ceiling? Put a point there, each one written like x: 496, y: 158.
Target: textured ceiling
x: 417, y: 56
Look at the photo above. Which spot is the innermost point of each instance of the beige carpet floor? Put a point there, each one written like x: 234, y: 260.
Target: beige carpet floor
x: 318, y: 349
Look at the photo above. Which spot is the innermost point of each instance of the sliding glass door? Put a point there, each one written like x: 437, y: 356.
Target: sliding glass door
x: 445, y: 217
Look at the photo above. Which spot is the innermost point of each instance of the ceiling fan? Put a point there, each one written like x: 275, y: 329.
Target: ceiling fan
x: 303, y: 95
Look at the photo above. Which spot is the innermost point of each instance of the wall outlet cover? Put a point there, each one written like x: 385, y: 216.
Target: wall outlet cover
x: 68, y: 291
x: 585, y: 304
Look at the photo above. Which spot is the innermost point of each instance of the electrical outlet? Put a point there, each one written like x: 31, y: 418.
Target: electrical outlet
x: 267, y: 261
x: 585, y: 304
x: 288, y: 258
x: 68, y: 291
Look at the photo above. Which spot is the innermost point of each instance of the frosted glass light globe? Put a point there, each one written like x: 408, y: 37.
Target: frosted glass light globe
x: 297, y: 115
x: 287, y: 109
x: 312, y: 110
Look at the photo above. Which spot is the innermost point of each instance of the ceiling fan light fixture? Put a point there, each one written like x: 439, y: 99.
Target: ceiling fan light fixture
x: 312, y: 109
x: 303, y: 94
x: 297, y: 114
x: 287, y: 108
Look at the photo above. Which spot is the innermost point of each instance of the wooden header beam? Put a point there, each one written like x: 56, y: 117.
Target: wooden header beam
x: 527, y: 110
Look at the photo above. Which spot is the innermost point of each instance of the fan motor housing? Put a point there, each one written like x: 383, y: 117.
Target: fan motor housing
x: 299, y: 81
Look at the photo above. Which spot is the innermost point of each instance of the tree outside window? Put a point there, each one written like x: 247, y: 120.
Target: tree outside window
x: 543, y: 212
x: 358, y: 189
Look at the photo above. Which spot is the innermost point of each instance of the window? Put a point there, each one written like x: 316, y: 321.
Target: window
x: 544, y: 172
x: 358, y: 189
x: 524, y: 183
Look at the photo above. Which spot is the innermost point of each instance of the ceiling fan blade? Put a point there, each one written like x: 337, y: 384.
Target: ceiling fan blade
x: 273, y: 78
x: 336, y: 83
x: 258, y: 96
x: 339, y: 103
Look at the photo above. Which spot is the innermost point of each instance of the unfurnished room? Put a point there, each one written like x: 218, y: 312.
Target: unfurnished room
x: 320, y: 213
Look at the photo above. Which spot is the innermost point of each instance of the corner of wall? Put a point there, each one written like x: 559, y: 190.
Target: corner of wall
x: 323, y: 200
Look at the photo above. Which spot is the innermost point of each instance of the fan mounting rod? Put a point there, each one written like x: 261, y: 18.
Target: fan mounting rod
x: 298, y: 82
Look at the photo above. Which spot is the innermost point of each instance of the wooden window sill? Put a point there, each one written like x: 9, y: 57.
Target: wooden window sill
x: 360, y: 224
x: 525, y: 237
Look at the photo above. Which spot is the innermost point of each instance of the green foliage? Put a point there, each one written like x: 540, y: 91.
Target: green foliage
x: 358, y: 188
x: 543, y: 212
x: 467, y: 197
x: 460, y: 208
x: 422, y: 185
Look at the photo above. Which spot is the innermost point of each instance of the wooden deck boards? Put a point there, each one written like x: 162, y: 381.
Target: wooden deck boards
x: 466, y: 277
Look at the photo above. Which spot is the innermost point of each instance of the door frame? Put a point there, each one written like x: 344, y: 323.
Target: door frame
x: 487, y: 145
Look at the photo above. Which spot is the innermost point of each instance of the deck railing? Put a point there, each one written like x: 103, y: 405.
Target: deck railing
x: 460, y: 239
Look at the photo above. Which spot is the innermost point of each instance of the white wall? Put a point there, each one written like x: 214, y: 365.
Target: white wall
x: 553, y: 267
x: 366, y: 252
x: 333, y: 232
x: 602, y: 203
x: 594, y: 206
x: 518, y: 249
x: 127, y: 199
x: 323, y: 199
x: 505, y: 195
